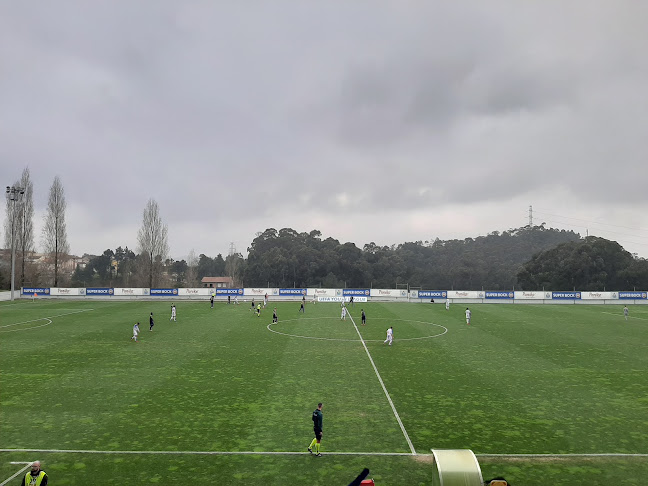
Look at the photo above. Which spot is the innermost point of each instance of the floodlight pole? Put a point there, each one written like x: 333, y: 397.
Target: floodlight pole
x: 14, y: 193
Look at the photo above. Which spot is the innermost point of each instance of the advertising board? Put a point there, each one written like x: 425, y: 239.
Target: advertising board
x: 228, y: 291
x: 105, y: 291
x: 322, y: 292
x: 432, y: 294
x: 599, y: 295
x: 164, y: 292
x: 499, y: 294
x: 636, y: 294
x: 566, y: 295
x: 388, y: 293
x: 293, y: 292
x: 195, y: 292
x: 35, y: 290
x: 465, y: 294
x: 356, y: 292
x: 62, y: 292
x: 131, y: 292
x: 537, y: 295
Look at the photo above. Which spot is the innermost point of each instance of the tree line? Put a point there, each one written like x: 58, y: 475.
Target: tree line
x: 527, y: 258
x: 591, y: 263
x: 286, y: 258
x: 19, y: 231
x: 148, y: 267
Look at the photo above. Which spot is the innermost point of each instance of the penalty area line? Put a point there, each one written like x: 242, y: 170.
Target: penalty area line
x: 6, y: 481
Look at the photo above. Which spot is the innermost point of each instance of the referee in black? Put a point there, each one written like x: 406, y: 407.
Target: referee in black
x: 317, y: 428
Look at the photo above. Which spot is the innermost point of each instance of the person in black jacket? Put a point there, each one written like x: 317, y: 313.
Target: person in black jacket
x: 317, y: 428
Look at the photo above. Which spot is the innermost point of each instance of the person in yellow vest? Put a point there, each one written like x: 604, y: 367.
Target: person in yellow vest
x: 35, y: 477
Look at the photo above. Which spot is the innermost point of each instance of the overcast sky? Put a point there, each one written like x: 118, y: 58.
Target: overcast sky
x: 367, y: 120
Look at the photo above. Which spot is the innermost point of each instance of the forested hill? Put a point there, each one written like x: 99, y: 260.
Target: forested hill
x: 589, y: 264
x: 286, y: 258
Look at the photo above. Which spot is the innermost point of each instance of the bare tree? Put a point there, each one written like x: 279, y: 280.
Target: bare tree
x: 25, y: 235
x: 191, y: 274
x: 152, y: 243
x: 234, y: 267
x: 54, y: 231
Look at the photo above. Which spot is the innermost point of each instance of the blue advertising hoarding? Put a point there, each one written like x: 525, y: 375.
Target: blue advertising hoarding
x: 356, y: 292
x: 159, y: 292
x: 633, y: 295
x: 35, y: 290
x: 100, y: 291
x: 501, y: 294
x: 432, y: 294
x: 229, y: 291
x: 292, y: 291
x: 566, y: 295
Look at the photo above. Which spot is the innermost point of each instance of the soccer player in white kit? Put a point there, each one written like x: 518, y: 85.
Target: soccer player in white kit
x: 447, y: 304
x: 135, y: 331
x: 390, y: 336
x: 468, y: 314
x: 343, y: 316
x: 173, y: 313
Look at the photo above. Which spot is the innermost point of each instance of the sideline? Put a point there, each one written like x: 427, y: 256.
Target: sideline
x: 206, y: 453
x: 302, y: 453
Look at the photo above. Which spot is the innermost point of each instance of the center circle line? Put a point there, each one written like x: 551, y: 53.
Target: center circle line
x: 269, y: 327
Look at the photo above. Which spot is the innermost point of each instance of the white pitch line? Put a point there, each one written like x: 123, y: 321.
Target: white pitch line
x: 6, y: 481
x: 621, y: 315
x: 300, y: 453
x: 206, y: 453
x: 269, y: 328
x: 530, y: 456
x: 40, y: 319
x: 382, y: 384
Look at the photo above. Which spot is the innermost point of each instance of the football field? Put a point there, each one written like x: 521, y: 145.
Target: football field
x: 543, y: 394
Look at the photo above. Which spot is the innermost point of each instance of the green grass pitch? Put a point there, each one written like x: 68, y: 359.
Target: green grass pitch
x: 521, y: 379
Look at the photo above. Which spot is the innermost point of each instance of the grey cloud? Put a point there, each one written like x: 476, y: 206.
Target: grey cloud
x: 223, y: 112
